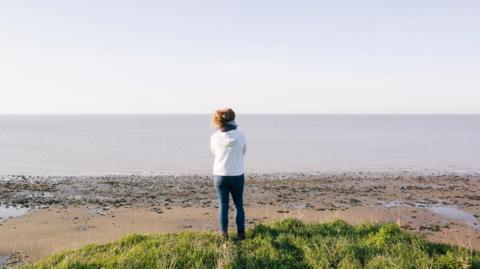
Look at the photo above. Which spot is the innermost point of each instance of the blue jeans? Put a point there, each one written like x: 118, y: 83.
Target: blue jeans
x: 225, y: 185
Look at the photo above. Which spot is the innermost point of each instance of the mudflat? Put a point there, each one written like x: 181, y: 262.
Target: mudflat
x: 68, y: 212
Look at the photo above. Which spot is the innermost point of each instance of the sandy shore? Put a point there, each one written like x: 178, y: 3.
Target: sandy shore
x: 68, y: 212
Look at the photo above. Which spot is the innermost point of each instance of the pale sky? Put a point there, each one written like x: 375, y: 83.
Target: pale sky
x: 405, y: 56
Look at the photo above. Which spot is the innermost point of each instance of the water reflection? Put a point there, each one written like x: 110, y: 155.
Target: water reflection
x: 7, y: 212
x: 456, y: 214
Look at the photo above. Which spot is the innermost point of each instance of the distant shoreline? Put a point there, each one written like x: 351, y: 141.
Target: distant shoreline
x: 337, y: 171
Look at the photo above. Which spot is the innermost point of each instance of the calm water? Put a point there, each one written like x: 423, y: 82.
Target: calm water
x: 76, y: 145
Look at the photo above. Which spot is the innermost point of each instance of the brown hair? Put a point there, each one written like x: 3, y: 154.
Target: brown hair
x: 222, y: 116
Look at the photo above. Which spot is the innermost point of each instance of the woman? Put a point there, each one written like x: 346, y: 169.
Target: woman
x: 229, y: 147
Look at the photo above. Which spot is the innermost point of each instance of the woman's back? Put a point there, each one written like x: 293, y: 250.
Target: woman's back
x: 229, y: 149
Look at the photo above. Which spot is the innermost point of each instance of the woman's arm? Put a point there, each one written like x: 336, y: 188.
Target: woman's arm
x: 244, y: 146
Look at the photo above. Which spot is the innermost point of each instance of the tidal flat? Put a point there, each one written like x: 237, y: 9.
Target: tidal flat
x: 60, y: 213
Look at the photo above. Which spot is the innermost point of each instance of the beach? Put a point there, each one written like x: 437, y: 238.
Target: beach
x: 50, y: 214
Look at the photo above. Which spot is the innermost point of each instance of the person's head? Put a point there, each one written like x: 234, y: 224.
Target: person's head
x: 222, y: 116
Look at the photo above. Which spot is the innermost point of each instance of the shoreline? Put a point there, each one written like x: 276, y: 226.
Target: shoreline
x: 180, y: 190
x: 71, y: 211
x: 470, y: 171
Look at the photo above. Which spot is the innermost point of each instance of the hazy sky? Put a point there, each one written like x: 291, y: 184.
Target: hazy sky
x: 405, y: 56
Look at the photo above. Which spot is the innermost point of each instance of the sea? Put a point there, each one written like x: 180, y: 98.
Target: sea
x: 77, y: 145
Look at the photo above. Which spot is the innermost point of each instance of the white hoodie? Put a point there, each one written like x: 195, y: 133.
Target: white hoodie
x: 229, y: 149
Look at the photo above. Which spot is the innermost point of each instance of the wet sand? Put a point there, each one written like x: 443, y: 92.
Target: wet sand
x: 68, y: 212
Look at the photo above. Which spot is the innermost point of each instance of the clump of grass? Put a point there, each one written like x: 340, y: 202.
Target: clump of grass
x: 284, y: 244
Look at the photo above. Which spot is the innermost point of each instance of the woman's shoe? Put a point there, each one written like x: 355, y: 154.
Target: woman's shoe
x: 241, y: 235
x: 224, y: 236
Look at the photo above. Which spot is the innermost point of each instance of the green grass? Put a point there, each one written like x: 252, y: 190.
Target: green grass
x: 284, y: 244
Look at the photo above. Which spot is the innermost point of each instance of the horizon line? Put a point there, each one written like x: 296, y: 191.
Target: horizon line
x: 242, y: 113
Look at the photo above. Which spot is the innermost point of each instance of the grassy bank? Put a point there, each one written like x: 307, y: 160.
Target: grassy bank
x: 285, y: 244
